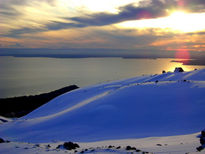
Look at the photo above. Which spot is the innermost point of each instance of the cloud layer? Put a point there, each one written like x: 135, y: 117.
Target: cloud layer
x: 64, y: 24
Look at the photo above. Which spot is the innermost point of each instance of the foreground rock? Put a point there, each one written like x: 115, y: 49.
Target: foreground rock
x: 69, y: 146
x: 202, y: 141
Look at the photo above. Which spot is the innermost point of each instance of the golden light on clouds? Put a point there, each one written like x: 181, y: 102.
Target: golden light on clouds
x: 178, y: 21
x: 110, y: 6
x: 36, y: 14
x: 102, y: 24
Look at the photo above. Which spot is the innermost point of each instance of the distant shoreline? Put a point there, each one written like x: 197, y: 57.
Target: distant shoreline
x: 197, y: 62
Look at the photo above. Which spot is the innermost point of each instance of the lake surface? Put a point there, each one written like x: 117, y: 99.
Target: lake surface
x: 26, y: 76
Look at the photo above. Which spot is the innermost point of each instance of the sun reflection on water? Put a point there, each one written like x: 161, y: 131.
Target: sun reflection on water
x: 175, y: 63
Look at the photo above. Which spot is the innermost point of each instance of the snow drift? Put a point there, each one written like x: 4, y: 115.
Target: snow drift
x: 157, y: 105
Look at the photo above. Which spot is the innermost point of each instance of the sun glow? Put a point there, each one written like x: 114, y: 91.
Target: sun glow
x: 178, y: 21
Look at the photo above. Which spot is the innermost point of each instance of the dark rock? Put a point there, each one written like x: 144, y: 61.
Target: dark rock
x: 48, y: 146
x: 3, y: 120
x: 118, y: 147
x: 156, y: 81
x: 110, y: 146
x: 178, y: 69
x: 200, y: 148
x: 130, y: 148
x: 2, y: 141
x: 203, y: 133
x: 158, y: 144
x: 70, y: 145
x: 202, y: 140
x: 59, y: 146
x: 163, y: 71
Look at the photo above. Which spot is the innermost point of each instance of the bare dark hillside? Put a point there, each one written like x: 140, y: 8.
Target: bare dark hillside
x: 20, y: 106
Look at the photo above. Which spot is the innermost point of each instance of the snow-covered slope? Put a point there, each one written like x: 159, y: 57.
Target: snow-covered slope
x: 160, y: 105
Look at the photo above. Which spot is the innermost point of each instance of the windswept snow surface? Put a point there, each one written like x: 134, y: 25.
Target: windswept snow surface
x: 158, y: 145
x: 168, y: 104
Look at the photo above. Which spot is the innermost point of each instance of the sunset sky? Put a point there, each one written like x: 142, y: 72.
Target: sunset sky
x: 114, y: 24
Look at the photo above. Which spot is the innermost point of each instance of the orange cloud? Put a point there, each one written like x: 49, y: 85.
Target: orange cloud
x: 186, y: 41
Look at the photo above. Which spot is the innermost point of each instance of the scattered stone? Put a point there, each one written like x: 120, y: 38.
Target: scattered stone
x: 138, y: 150
x: 156, y: 81
x: 118, y: 147
x: 158, y: 144
x: 163, y: 71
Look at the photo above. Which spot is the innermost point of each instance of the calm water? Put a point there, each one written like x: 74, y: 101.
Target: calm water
x: 25, y: 76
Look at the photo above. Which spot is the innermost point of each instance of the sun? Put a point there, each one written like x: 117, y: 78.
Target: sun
x: 186, y: 22
x: 182, y: 21
x: 177, y: 21
x: 176, y: 14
